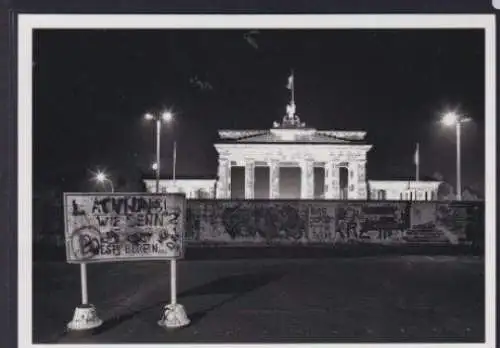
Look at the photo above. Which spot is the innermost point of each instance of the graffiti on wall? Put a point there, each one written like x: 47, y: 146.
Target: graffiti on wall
x: 321, y: 222
x: 455, y: 218
x: 423, y: 215
x: 246, y: 221
x: 347, y: 222
x: 330, y: 222
x: 450, y: 222
x: 372, y: 221
x: 102, y: 227
x: 423, y: 226
x: 280, y: 221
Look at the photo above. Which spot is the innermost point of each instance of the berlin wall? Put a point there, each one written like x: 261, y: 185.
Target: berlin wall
x: 330, y: 222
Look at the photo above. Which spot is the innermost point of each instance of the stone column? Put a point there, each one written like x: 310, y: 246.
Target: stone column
x: 352, y: 181
x: 224, y: 180
x: 249, y: 179
x: 332, y: 180
x: 362, y: 192
x: 274, y: 179
x: 307, y: 179
x: 328, y: 181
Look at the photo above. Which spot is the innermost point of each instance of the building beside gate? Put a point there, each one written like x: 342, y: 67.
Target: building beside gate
x: 291, y: 143
x: 194, y: 188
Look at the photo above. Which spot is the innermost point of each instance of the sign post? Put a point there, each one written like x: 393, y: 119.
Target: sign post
x: 104, y: 227
x: 85, y: 315
x: 174, y: 315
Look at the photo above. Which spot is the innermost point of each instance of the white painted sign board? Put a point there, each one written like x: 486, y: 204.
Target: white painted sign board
x: 102, y: 227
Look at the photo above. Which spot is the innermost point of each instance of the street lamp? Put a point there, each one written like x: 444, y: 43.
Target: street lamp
x: 102, y: 178
x: 454, y: 119
x: 166, y: 116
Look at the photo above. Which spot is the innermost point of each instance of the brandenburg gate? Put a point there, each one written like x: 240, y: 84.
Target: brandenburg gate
x: 292, y: 144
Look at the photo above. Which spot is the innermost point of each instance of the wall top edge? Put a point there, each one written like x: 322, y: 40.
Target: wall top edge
x: 322, y: 201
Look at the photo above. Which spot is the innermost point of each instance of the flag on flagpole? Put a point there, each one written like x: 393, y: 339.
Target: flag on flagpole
x: 417, y: 163
x: 417, y: 155
x: 290, y: 82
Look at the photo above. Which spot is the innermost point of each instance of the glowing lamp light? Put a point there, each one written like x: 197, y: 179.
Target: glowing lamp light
x: 154, y: 166
x: 148, y: 116
x: 449, y: 119
x: 167, y: 116
x: 101, y: 177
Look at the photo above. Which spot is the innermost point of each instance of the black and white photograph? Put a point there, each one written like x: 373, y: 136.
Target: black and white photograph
x: 257, y: 179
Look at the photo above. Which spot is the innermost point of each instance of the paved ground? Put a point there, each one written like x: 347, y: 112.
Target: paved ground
x: 357, y: 299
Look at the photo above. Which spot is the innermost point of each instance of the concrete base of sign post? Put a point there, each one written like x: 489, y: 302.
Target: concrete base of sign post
x: 174, y: 316
x: 84, y: 318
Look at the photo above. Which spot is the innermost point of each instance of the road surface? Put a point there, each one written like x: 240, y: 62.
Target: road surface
x: 346, y: 299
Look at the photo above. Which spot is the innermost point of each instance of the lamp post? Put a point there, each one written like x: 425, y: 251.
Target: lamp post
x: 165, y: 116
x: 102, y: 178
x: 454, y: 119
x: 174, y: 315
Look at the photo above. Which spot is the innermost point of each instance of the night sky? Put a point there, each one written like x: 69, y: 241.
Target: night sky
x: 92, y: 87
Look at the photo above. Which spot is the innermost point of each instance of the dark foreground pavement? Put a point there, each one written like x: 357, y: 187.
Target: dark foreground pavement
x: 390, y: 298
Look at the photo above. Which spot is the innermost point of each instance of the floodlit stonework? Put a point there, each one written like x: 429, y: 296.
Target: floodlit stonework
x: 193, y: 188
x: 303, y: 152
x: 404, y: 190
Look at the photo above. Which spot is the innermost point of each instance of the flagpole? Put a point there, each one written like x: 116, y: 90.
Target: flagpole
x: 174, y: 161
x: 417, y: 163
